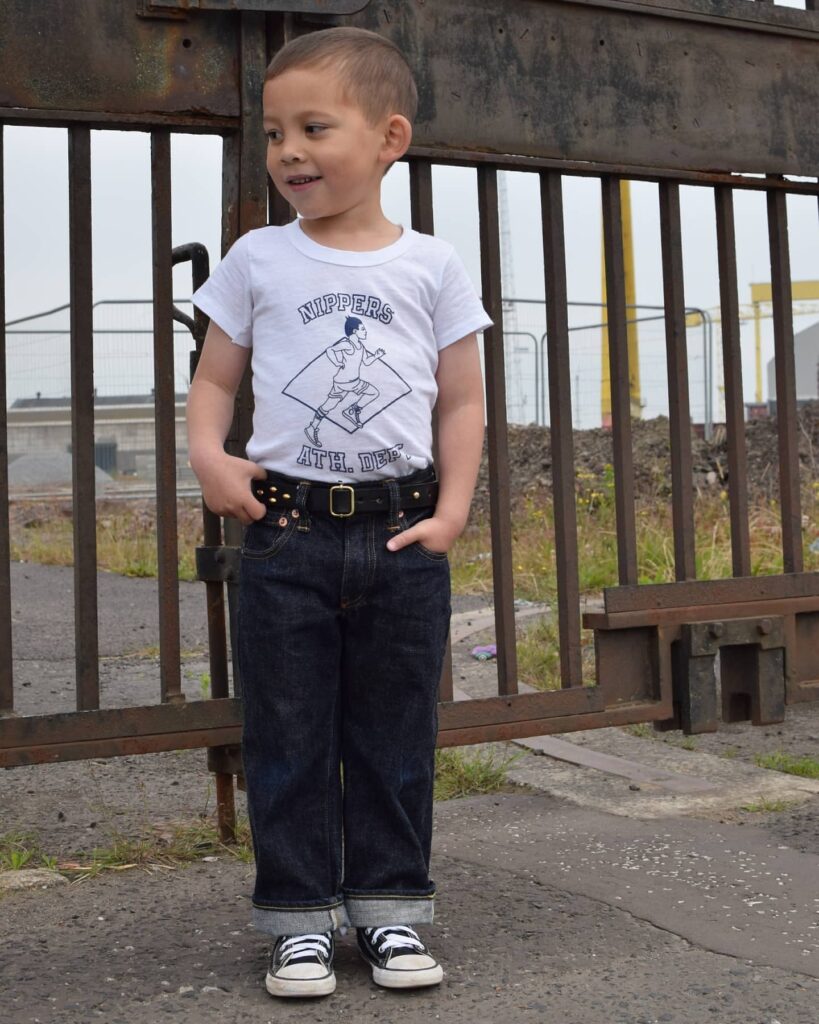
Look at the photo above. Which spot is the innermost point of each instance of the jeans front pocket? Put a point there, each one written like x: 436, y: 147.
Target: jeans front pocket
x: 412, y: 518
x: 268, y: 536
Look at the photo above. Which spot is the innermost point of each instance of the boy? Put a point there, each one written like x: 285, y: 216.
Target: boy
x: 344, y: 589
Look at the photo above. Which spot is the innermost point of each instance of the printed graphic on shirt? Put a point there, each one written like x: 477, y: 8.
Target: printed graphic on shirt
x: 336, y: 462
x: 347, y: 384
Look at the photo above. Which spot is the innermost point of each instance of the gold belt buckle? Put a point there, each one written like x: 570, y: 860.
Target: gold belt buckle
x: 342, y: 487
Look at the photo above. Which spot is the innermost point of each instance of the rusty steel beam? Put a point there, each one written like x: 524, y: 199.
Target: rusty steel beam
x: 710, y: 592
x: 619, y: 377
x: 785, y: 371
x: 679, y: 415
x: 6, y: 655
x: 560, y: 405
x: 732, y: 363
x: 496, y: 431
x: 83, y: 469
x: 6, y: 663
x: 170, y: 673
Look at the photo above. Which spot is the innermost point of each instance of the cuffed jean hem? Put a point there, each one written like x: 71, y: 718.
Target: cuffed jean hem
x: 384, y: 910
x: 299, y: 920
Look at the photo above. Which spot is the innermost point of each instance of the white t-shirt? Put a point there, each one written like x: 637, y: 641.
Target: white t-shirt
x: 345, y: 347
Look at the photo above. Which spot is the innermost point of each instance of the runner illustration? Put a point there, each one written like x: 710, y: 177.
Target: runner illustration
x: 347, y: 355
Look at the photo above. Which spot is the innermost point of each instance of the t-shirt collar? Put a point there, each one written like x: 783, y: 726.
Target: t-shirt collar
x: 344, y: 257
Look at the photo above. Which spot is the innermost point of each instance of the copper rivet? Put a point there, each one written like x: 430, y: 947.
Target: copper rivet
x: 285, y: 495
x: 274, y: 489
x: 295, y: 513
x: 283, y: 521
x: 401, y: 514
x: 260, y: 493
x: 416, y: 494
x: 272, y: 501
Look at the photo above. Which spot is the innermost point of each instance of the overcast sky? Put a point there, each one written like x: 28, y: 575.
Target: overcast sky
x: 36, y: 227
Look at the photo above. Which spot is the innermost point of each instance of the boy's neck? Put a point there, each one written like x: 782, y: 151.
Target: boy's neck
x: 352, y: 233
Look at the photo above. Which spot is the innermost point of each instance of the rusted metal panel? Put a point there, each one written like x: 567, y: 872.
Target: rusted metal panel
x: 325, y: 7
x: 82, y: 419
x: 110, y: 60
x: 491, y: 711
x: 803, y: 672
x: 732, y: 363
x: 597, y: 81
x: 499, y: 502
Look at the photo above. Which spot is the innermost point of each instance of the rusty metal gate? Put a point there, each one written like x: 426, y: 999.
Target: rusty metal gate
x: 721, y: 97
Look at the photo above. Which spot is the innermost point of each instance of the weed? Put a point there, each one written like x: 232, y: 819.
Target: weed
x: 642, y: 729
x: 480, y: 771
x: 766, y: 805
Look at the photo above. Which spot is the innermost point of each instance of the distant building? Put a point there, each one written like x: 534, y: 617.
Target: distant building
x: 124, y: 431
x: 806, y: 358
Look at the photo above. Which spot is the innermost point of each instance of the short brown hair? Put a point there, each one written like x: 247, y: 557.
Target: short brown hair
x: 372, y: 70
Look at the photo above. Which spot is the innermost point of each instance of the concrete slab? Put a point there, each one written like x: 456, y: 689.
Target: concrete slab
x: 728, y: 889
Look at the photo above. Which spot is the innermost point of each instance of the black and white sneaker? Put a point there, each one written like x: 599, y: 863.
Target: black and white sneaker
x: 301, y: 965
x: 399, y: 959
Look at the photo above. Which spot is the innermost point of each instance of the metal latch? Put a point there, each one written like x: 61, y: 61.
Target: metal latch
x: 218, y: 564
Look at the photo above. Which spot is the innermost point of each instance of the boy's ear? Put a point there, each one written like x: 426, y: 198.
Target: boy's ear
x: 397, y: 138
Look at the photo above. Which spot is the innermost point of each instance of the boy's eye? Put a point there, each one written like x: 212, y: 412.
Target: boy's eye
x: 314, y: 129
x: 273, y: 134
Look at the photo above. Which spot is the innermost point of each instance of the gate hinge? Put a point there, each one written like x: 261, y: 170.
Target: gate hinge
x: 218, y: 564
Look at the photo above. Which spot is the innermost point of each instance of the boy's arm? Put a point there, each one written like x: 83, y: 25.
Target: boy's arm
x: 460, y: 442
x: 225, y: 479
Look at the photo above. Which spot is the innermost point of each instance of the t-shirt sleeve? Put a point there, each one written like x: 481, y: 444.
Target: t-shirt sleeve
x: 458, y: 310
x: 226, y: 296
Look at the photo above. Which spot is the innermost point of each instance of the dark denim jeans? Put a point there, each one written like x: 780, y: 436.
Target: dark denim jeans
x: 341, y: 645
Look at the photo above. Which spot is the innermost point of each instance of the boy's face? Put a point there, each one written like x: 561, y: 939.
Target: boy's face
x: 323, y: 155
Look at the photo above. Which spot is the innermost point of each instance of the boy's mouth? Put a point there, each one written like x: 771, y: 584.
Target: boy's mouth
x: 300, y: 180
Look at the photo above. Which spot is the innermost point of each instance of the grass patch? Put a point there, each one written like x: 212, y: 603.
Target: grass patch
x: 458, y: 773
x: 126, y: 537
x: 533, y: 542
x: 807, y: 767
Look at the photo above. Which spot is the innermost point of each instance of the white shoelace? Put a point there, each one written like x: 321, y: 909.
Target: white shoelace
x: 298, y: 946
x: 395, y: 936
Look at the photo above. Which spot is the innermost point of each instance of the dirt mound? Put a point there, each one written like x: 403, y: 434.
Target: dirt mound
x: 530, y: 459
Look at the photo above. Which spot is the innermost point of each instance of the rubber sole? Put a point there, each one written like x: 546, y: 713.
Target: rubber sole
x: 407, y: 979
x: 300, y: 988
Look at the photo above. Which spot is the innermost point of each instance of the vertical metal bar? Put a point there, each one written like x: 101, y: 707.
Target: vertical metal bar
x: 789, y: 496
x: 165, y: 420
x: 6, y: 671
x: 620, y: 380
x: 560, y: 408
x: 423, y: 220
x: 86, y: 651
x: 679, y: 414
x: 499, y: 491
x: 732, y: 363
x: 420, y: 174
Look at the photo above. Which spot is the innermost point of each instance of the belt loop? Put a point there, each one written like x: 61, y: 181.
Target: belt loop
x: 395, y: 505
x: 301, y: 505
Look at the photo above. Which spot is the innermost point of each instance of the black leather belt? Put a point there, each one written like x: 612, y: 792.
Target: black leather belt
x: 343, y: 500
